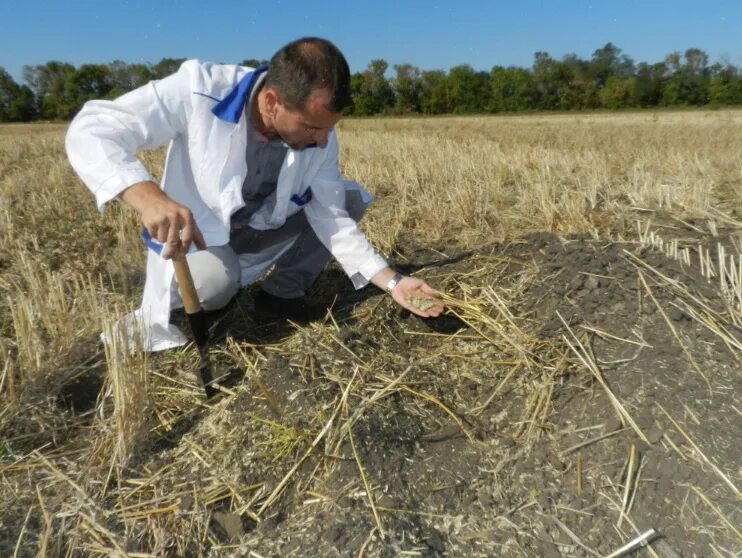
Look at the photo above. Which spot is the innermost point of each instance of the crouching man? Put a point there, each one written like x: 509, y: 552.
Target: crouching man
x: 251, y: 179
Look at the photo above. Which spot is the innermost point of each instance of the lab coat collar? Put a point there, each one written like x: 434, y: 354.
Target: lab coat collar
x: 230, y: 108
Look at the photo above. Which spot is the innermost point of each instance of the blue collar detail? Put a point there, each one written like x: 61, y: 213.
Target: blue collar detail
x: 230, y: 107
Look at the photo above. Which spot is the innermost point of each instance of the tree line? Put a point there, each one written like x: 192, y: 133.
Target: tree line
x: 608, y: 80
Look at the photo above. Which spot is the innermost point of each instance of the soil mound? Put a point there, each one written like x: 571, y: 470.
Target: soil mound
x: 579, y: 393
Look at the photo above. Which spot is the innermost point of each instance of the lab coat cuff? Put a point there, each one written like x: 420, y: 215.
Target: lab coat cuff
x: 366, y: 272
x: 117, y: 183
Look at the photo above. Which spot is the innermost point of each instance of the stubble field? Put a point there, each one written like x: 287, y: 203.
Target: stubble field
x: 578, y: 399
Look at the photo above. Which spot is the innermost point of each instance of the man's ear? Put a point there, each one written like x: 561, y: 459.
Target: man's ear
x: 271, y: 100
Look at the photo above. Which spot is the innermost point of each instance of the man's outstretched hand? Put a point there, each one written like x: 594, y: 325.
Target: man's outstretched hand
x: 418, y: 297
x: 168, y: 222
x: 411, y: 293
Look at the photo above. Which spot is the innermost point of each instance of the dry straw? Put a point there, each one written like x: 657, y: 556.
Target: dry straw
x: 451, y: 184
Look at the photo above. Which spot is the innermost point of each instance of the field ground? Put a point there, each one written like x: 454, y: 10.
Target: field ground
x: 579, y: 393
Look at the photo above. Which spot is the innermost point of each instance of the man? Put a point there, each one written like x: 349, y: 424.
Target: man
x: 251, y: 178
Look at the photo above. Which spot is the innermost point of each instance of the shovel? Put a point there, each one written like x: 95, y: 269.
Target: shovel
x: 196, y: 316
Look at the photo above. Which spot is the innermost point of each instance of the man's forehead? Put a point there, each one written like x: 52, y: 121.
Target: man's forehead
x: 319, y: 98
x: 318, y: 110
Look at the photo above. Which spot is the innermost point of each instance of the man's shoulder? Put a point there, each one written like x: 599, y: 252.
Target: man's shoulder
x: 213, y: 77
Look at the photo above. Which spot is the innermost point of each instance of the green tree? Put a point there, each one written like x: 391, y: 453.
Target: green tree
x: 649, y: 82
x: 468, y: 90
x: 578, y: 88
x: 725, y: 86
x: 434, y: 97
x: 547, y: 80
x: 48, y: 83
x: 407, y: 85
x: 372, y: 93
x: 17, y: 103
x: 608, y: 62
x: 609, y: 79
x: 696, y: 62
x: 618, y: 93
x: 688, y: 81
x: 23, y: 107
x: 88, y: 82
x: 512, y: 89
x: 125, y: 77
x: 697, y: 77
x: 577, y: 93
x: 562, y: 84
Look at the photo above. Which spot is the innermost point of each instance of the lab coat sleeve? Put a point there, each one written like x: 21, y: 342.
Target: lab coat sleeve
x: 104, y: 137
x: 331, y: 223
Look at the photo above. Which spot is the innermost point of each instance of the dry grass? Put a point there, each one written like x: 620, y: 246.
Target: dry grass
x: 497, y: 178
x: 83, y: 479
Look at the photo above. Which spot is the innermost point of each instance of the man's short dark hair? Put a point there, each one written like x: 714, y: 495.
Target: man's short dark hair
x: 308, y: 64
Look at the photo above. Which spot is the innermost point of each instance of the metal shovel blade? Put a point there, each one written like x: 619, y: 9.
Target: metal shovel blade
x: 196, y: 321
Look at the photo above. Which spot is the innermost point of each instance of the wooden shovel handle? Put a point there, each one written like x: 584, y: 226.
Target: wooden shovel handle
x: 185, y: 284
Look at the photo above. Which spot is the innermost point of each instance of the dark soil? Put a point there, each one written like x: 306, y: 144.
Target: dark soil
x: 481, y: 449
x: 506, y: 484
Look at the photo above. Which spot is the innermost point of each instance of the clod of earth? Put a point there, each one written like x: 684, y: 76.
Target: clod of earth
x: 421, y: 303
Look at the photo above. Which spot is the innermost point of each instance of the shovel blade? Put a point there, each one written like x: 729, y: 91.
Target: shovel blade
x: 204, y: 375
x: 200, y: 330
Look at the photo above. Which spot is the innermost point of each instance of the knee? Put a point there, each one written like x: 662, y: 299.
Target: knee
x: 217, y: 293
x: 216, y: 275
x: 354, y: 204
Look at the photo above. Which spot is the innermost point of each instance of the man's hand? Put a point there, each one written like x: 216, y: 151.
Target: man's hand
x: 418, y: 297
x: 167, y: 222
x: 411, y: 293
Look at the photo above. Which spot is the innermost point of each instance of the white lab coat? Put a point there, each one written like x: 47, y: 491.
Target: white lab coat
x: 200, y: 111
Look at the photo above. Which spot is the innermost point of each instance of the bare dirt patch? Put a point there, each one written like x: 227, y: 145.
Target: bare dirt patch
x: 533, y: 459
x: 381, y: 434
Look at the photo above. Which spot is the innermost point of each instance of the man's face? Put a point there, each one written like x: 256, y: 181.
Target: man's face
x: 308, y: 126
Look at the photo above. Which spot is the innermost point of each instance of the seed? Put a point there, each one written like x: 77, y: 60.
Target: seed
x: 421, y: 303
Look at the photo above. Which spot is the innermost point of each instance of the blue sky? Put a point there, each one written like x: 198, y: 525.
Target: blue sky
x: 435, y: 34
